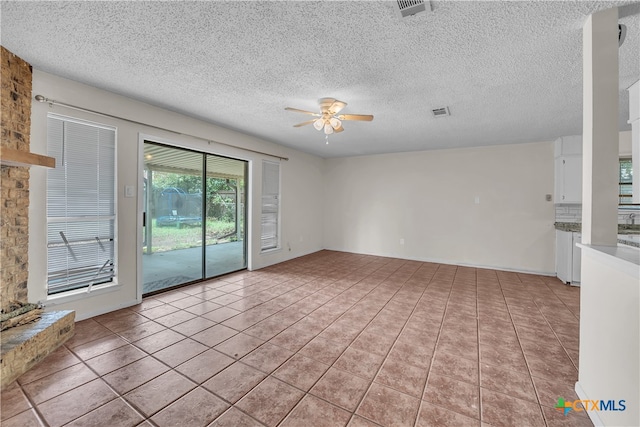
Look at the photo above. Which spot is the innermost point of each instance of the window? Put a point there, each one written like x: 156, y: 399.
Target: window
x: 626, y: 180
x: 270, y: 205
x: 81, y: 212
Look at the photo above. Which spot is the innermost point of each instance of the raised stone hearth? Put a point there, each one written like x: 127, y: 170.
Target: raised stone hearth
x: 26, y: 345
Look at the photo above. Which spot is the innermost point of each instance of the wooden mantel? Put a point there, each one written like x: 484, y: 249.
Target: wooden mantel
x: 11, y: 157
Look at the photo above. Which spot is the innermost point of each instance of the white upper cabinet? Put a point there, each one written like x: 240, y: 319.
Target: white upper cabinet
x: 634, y: 120
x: 568, y: 169
x: 568, y: 146
x: 634, y: 102
x: 568, y: 179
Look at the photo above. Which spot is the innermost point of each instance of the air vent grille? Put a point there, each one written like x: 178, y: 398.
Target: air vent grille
x: 441, y: 112
x: 411, y: 7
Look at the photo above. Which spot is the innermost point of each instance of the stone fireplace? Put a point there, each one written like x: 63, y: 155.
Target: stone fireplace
x: 16, y: 125
x: 22, y: 346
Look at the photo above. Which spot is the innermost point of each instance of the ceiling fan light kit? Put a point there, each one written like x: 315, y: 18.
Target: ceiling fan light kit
x: 328, y: 118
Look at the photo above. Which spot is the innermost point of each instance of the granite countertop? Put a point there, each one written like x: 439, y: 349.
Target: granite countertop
x: 628, y: 234
x: 568, y: 226
x: 629, y: 239
x: 577, y: 227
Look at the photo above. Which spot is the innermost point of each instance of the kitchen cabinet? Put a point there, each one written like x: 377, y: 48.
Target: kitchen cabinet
x: 568, y: 146
x: 568, y: 259
x: 568, y: 169
x: 568, y: 179
x: 576, y: 258
x: 634, y: 121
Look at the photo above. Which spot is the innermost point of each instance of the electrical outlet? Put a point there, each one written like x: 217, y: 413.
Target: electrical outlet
x: 401, y: 241
x: 547, y: 197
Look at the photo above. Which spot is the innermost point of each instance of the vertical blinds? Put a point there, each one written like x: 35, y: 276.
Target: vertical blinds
x: 270, y: 205
x: 81, y: 209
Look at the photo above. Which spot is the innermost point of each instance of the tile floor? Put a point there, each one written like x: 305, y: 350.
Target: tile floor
x: 329, y: 339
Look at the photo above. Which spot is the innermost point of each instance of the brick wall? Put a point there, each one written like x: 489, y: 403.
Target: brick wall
x: 15, y: 124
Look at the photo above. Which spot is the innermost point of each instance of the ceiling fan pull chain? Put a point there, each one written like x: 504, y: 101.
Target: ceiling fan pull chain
x: 326, y: 138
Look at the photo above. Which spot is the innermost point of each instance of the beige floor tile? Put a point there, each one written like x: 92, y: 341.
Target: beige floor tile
x: 330, y: 339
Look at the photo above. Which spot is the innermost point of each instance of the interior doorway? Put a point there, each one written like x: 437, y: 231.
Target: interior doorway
x: 194, y: 212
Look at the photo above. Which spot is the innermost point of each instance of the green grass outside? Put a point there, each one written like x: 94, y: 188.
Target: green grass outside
x: 172, y: 238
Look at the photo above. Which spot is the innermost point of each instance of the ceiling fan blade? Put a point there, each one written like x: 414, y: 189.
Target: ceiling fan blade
x: 308, y: 122
x: 302, y: 111
x: 360, y: 117
x: 336, y: 107
x: 338, y: 129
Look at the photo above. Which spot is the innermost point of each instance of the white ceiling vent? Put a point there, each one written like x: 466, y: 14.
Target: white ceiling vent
x: 440, y: 112
x: 411, y: 7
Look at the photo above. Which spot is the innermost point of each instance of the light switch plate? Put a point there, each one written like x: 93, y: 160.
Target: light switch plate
x: 129, y: 191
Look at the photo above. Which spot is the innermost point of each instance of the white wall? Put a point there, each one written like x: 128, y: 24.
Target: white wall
x: 301, y: 179
x: 609, y: 332
x: 357, y: 204
x: 428, y: 199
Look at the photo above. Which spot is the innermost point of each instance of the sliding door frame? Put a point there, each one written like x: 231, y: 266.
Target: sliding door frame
x: 154, y: 139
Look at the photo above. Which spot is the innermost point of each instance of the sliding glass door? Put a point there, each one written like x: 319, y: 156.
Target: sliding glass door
x: 225, y: 208
x: 194, y: 216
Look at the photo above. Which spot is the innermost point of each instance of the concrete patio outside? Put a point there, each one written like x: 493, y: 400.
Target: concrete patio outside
x: 165, y: 269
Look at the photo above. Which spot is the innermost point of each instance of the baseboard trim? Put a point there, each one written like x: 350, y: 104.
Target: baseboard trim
x: 451, y: 262
x: 593, y: 415
x: 269, y: 263
x: 104, y: 310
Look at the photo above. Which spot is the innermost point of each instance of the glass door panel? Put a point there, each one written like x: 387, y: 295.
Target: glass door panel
x: 225, y: 218
x: 172, y: 252
x: 194, y: 216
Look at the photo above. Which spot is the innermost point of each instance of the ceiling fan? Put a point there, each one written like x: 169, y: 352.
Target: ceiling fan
x: 328, y: 119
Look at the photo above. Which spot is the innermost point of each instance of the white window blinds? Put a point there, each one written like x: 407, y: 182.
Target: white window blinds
x: 81, y: 213
x: 270, y: 205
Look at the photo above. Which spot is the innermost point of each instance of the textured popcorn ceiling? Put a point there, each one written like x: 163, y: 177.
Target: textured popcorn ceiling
x: 509, y: 71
